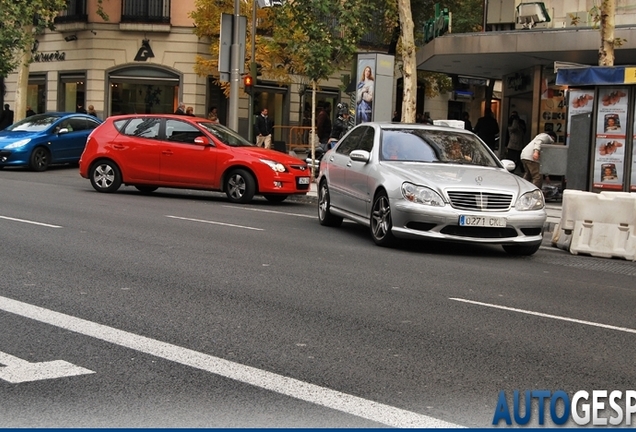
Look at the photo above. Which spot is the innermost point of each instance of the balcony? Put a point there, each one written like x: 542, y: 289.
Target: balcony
x: 145, y: 11
x: 72, y: 19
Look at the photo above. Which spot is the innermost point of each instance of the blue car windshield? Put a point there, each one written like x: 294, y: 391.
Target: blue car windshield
x: 226, y: 135
x: 36, y: 123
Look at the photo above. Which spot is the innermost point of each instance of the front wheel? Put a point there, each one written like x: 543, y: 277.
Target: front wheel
x: 325, y: 217
x: 40, y: 159
x: 521, y: 250
x: 275, y: 198
x: 240, y: 186
x: 105, y: 176
x: 381, y: 222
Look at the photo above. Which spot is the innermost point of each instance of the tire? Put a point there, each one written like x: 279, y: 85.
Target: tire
x: 240, y: 186
x: 381, y: 222
x: 40, y: 159
x: 276, y: 198
x: 325, y: 217
x: 105, y: 176
x: 521, y: 250
x: 146, y: 189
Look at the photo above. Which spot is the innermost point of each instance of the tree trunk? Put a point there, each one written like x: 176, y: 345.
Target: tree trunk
x: 22, y: 86
x: 409, y: 66
x: 606, y: 52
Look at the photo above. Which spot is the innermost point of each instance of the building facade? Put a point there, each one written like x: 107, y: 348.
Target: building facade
x: 142, y: 60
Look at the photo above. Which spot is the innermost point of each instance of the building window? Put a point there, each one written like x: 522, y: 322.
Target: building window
x: 142, y: 90
x: 145, y: 11
x: 75, y: 12
x: 36, y: 93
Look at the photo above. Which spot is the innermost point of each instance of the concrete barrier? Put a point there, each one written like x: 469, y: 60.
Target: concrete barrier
x: 600, y: 224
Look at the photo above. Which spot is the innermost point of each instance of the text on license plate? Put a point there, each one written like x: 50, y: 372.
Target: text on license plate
x: 303, y: 180
x: 482, y: 221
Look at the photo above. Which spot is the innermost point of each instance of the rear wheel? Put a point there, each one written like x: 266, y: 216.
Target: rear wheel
x: 381, y: 223
x: 275, y: 198
x: 146, y: 189
x: 105, y: 176
x: 325, y: 217
x: 521, y: 250
x: 240, y: 186
x: 40, y: 159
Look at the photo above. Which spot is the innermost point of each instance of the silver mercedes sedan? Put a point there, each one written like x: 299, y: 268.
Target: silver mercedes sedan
x: 428, y: 182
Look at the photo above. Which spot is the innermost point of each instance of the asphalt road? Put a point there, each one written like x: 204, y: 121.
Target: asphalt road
x: 183, y: 310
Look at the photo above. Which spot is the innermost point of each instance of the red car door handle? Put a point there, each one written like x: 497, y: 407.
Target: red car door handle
x: 167, y: 152
x: 118, y: 147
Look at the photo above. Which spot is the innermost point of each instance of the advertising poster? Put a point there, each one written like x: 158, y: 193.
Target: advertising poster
x: 364, y: 90
x: 580, y: 101
x: 553, y: 112
x: 609, y: 154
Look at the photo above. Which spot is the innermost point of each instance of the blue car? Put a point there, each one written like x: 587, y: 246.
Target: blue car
x: 44, y: 139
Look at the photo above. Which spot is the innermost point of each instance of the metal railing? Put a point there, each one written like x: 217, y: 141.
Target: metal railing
x: 298, y: 138
x: 75, y: 12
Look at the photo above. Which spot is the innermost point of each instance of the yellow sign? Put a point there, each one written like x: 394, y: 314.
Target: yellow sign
x: 630, y: 75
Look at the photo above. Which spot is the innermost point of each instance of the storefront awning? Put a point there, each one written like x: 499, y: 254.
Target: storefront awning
x: 596, y: 75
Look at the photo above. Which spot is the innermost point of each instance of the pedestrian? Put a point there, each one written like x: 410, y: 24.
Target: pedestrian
x: 487, y: 129
x: 91, y: 111
x: 323, y: 123
x: 189, y: 111
x: 264, y: 127
x: 213, y: 115
x: 427, y: 118
x: 180, y: 109
x: 467, y: 124
x: 80, y: 109
x: 516, y: 132
x: 29, y: 111
x: 340, y: 126
x: 531, y: 157
x: 6, y: 118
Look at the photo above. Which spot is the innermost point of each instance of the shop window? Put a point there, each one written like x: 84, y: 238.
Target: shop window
x: 36, y: 93
x: 72, y: 92
x: 145, y: 11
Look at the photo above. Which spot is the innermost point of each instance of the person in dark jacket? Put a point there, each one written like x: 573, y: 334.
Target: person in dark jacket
x: 181, y: 109
x: 6, y: 118
x: 323, y: 123
x: 29, y: 112
x: 263, y: 129
x: 340, y: 126
x: 487, y: 129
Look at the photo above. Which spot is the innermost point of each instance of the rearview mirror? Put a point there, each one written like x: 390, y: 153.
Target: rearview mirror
x: 508, y: 164
x: 201, y: 140
x: 360, y: 156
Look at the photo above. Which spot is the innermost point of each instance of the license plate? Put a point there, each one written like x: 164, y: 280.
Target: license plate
x: 303, y: 180
x: 482, y: 221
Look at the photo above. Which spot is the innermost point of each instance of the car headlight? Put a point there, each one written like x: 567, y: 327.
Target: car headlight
x: 530, y: 201
x: 276, y: 166
x: 18, y: 144
x: 422, y: 195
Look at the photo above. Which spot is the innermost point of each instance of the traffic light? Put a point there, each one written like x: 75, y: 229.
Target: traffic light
x: 248, y: 83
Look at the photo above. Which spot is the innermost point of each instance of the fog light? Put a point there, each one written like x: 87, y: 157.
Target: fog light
x: 278, y: 184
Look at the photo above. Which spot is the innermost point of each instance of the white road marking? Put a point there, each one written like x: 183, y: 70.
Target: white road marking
x: 216, y: 223
x: 540, y: 314
x: 370, y: 410
x: 30, y: 222
x: 17, y: 370
x: 272, y: 211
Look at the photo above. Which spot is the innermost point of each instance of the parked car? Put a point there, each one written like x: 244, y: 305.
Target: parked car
x: 44, y: 139
x: 428, y: 182
x: 152, y: 151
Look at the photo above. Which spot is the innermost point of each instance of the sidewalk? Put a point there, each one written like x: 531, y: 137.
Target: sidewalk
x: 552, y: 208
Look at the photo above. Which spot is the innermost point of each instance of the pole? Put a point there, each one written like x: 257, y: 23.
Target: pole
x: 234, y: 70
x: 250, y: 104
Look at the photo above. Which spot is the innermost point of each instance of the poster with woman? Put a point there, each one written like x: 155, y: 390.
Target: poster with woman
x: 579, y: 102
x: 609, y: 157
x: 364, y: 92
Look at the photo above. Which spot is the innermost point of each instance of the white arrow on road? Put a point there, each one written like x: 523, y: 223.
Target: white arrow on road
x: 17, y: 370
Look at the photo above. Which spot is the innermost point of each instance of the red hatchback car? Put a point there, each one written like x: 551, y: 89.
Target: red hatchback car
x: 152, y: 151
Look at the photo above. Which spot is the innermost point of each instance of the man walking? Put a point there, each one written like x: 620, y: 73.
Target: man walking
x: 264, y: 126
x: 531, y: 155
x: 6, y: 118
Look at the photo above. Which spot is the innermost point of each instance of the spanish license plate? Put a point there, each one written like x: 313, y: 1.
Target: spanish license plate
x: 482, y: 221
x: 303, y: 180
